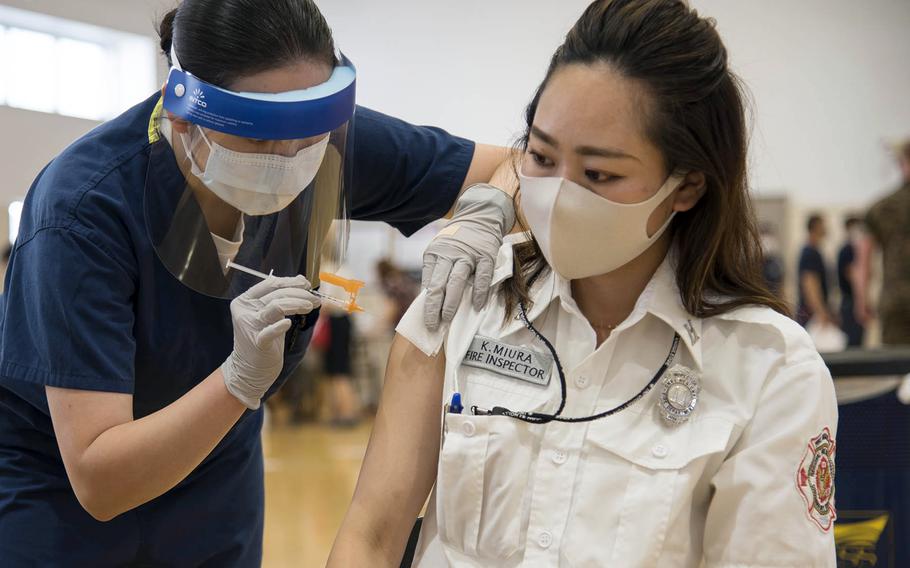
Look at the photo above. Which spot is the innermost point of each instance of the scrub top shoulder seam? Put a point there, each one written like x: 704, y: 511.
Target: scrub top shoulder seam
x: 76, y: 227
x: 71, y: 214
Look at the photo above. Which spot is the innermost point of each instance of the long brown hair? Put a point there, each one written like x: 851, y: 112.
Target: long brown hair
x: 696, y: 118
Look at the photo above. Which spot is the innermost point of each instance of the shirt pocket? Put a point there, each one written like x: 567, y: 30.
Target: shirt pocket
x: 486, y: 389
x: 636, y: 483
x: 483, y: 474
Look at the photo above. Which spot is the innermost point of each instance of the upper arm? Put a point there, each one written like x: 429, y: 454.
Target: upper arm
x: 873, y: 223
x: 810, y: 282
x: 762, y: 478
x: 400, y: 464
x: 406, y: 175
x: 863, y: 254
x: 856, y: 261
x: 491, y: 164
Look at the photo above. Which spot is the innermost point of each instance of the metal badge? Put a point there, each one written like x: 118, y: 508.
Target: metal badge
x: 679, y: 395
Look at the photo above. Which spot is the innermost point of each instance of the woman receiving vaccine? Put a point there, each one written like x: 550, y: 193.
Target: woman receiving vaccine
x: 632, y: 394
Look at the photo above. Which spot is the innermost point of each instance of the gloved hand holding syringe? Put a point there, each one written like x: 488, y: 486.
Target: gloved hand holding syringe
x: 352, y: 287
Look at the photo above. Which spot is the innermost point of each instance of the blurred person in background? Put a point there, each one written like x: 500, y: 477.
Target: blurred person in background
x: 4, y: 262
x: 344, y: 404
x: 773, y: 263
x: 299, y: 397
x: 813, y: 276
x: 873, y: 454
x: 396, y: 290
x: 888, y: 227
x: 847, y: 274
x: 399, y: 288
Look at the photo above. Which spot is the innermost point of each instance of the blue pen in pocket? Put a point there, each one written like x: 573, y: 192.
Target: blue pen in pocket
x: 455, y: 407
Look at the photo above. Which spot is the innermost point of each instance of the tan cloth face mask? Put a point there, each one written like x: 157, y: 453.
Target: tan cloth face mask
x: 583, y: 234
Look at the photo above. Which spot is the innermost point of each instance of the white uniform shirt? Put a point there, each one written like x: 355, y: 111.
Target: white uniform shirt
x: 746, y: 481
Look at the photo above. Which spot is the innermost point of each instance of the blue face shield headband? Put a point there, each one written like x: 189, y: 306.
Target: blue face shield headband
x: 263, y: 116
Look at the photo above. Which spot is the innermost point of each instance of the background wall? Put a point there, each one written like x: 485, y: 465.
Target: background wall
x: 828, y: 77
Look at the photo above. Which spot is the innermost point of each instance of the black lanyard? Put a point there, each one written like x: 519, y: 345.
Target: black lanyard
x: 544, y: 418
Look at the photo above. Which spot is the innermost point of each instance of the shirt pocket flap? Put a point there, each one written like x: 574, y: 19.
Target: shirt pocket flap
x: 644, y: 440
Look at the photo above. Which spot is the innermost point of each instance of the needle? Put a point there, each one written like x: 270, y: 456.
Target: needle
x: 256, y: 273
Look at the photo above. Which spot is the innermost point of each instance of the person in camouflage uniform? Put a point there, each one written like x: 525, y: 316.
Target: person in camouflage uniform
x: 888, y: 225
x: 873, y: 446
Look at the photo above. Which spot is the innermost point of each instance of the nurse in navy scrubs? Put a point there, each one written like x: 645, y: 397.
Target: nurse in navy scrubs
x: 133, y: 360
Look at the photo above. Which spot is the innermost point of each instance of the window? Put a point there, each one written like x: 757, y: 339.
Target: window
x: 2, y: 68
x: 15, y: 213
x: 53, y: 65
x: 29, y: 85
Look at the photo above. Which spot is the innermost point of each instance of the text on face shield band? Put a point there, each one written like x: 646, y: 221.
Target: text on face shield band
x: 263, y: 116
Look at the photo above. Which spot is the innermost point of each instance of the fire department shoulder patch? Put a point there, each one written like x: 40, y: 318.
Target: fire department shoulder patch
x: 815, y: 480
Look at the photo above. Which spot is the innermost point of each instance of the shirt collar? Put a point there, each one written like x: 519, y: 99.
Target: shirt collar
x: 154, y: 120
x: 543, y: 292
x: 505, y: 258
x: 660, y: 298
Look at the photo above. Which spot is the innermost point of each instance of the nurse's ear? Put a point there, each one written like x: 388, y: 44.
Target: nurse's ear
x: 690, y: 191
x: 177, y: 124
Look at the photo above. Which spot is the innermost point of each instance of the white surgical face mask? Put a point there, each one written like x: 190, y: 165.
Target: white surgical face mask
x: 583, y: 234
x: 257, y: 184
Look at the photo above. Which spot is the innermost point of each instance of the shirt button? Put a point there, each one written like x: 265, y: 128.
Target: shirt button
x: 545, y: 539
x: 660, y: 451
x: 582, y: 382
x: 560, y: 457
x: 468, y: 428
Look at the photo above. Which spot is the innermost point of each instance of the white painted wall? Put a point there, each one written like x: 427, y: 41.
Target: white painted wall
x: 828, y: 76
x: 134, y: 16
x: 830, y: 83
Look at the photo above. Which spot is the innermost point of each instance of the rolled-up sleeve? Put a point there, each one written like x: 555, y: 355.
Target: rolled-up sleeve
x: 412, y: 327
x: 405, y: 175
x: 773, y: 502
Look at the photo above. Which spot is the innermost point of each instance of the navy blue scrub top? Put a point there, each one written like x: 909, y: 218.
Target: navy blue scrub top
x: 89, y: 306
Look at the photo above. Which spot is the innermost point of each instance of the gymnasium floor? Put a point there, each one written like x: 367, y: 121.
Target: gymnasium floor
x: 310, y: 473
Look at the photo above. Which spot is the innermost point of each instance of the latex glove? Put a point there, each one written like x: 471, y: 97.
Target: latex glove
x: 468, y: 244
x: 260, y: 322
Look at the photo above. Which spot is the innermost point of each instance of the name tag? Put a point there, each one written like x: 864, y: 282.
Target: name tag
x: 516, y: 362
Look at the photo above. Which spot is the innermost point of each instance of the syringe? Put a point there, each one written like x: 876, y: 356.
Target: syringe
x: 350, y: 306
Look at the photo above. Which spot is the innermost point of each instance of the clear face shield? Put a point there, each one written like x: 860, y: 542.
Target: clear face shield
x: 250, y: 179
